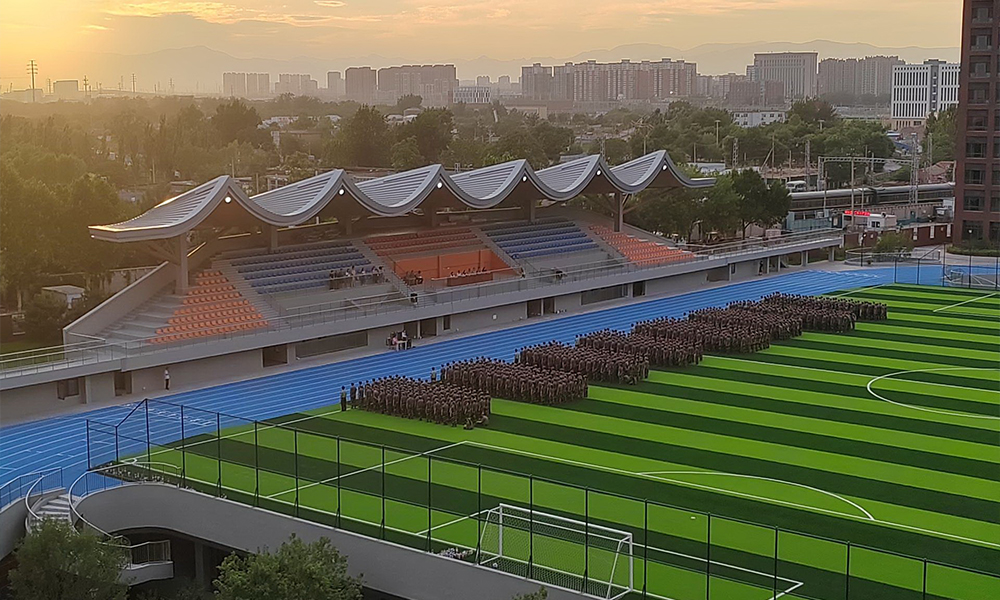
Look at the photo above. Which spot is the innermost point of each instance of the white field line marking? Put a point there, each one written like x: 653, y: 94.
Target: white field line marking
x: 760, y: 362
x: 940, y: 411
x: 366, y: 469
x: 864, y: 289
x: 474, y: 515
x: 677, y: 481
x: 966, y: 302
x: 792, y: 483
x: 788, y: 591
x: 725, y: 491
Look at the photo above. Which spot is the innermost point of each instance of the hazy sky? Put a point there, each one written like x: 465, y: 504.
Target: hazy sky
x: 50, y: 31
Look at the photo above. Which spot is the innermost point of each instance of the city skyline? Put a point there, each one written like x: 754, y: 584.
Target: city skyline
x: 433, y: 31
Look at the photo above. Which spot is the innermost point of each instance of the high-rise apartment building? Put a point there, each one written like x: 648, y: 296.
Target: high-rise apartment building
x: 435, y: 84
x: 361, y: 84
x: 334, y: 84
x: 234, y: 85
x: 919, y: 91
x: 977, y: 170
x: 258, y: 85
x: 868, y: 76
x: 796, y: 70
x: 298, y: 84
x: 592, y: 81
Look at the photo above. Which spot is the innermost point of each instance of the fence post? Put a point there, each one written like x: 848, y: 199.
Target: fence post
x: 479, y: 514
x: 531, y: 526
x: 218, y: 450
x: 586, y: 538
x: 645, y: 545
x: 918, y: 270
x: 256, y: 467
x: 338, y: 482
x: 924, y: 587
x: 774, y: 593
x: 430, y: 513
x: 117, y: 456
x: 88, y: 446
x: 708, y: 559
x: 895, y: 269
x: 847, y: 574
x: 382, y: 526
x: 149, y: 456
x: 295, y: 458
x: 970, y: 270
x: 183, y: 451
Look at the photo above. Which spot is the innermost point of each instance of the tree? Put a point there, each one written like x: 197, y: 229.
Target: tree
x: 54, y: 562
x: 941, y: 133
x: 363, y: 140
x: 235, y: 121
x: 44, y: 317
x: 751, y: 195
x: 894, y: 243
x: 432, y: 132
x: 776, y: 205
x: 541, y: 594
x: 297, y: 570
x: 517, y: 144
x: 24, y: 249
x: 406, y: 154
x: 813, y: 111
x: 408, y: 101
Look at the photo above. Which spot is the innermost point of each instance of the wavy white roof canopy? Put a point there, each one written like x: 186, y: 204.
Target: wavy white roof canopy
x: 222, y: 201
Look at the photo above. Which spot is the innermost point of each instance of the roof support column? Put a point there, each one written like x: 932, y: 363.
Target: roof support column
x: 181, y: 286
x: 619, y: 205
x: 272, y: 237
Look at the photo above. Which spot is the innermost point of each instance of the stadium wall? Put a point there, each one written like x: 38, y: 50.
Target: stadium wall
x: 386, y: 567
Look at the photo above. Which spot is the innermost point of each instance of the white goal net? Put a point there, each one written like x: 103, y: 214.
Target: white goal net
x: 558, y: 551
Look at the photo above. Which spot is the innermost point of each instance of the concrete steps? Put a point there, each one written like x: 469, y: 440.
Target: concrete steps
x: 55, y: 508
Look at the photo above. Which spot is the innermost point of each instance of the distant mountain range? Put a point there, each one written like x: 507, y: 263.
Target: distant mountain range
x: 199, y: 68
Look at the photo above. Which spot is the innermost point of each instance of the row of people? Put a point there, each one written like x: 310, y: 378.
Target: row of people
x: 469, y: 272
x: 521, y: 382
x: 862, y: 310
x: 730, y: 339
x: 594, y: 364
x: 661, y: 352
x: 437, y: 402
x: 351, y: 276
x: 749, y: 314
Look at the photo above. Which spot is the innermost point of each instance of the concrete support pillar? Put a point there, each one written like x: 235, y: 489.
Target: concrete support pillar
x: 832, y: 254
x: 435, y: 218
x: 804, y: 258
x: 532, y: 208
x: 619, y: 203
x: 182, y: 264
x: 348, y: 224
x: 272, y: 237
x: 199, y: 562
x: 767, y: 265
x: 729, y: 272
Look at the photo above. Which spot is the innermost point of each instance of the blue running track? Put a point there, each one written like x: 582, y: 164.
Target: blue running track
x: 61, y: 441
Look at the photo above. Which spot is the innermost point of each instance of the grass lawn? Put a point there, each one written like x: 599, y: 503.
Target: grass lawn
x: 887, y: 437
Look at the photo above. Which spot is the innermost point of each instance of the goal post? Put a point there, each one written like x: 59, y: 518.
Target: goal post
x: 557, y: 550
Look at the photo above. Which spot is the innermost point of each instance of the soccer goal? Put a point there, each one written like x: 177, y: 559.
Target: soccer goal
x: 561, y: 552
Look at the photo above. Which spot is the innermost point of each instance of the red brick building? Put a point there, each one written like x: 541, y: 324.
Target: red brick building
x: 977, y: 193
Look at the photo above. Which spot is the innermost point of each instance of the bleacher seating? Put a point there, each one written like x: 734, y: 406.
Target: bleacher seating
x: 213, y: 306
x: 639, y: 250
x: 523, y: 239
x: 422, y: 241
x: 295, y: 268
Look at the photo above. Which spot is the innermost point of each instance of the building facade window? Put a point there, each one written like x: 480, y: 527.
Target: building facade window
x: 975, y: 148
x: 972, y: 202
x: 975, y: 176
x: 972, y: 230
x: 995, y: 231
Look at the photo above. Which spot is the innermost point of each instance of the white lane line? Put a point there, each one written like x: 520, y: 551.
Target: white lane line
x: 365, y: 470
x: 740, y: 475
x: 940, y: 411
x: 864, y: 289
x: 957, y: 304
x: 474, y: 515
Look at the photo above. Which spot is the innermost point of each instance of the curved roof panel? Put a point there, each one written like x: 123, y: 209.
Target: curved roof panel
x: 400, y: 193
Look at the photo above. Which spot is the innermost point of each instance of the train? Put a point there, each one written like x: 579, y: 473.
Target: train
x: 870, y: 196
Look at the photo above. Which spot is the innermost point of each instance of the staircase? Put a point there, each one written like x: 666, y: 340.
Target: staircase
x: 53, y: 508
x: 258, y: 300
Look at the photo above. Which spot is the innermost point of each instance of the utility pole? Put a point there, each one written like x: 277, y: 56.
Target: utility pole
x: 736, y: 152
x: 32, y: 70
x: 133, y: 83
x: 717, y: 121
x: 86, y: 86
x: 808, y: 165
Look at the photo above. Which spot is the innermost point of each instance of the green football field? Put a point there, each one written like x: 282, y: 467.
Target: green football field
x: 887, y: 437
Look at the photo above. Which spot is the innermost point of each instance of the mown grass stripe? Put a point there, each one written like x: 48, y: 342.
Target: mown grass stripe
x: 970, y: 341
x: 850, y: 343
x: 677, y: 495
x: 892, y: 350
x: 860, y: 478
x: 901, y: 447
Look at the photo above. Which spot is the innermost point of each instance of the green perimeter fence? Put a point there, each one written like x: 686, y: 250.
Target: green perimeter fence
x: 932, y: 266
x: 432, y: 500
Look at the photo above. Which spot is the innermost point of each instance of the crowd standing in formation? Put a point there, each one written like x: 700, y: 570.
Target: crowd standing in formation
x: 555, y: 373
x: 661, y: 352
x: 521, y: 382
x: 594, y: 364
x: 437, y: 402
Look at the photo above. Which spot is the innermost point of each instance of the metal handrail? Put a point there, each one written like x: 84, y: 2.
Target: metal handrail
x: 445, y: 295
x: 119, y: 540
x: 19, y: 482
